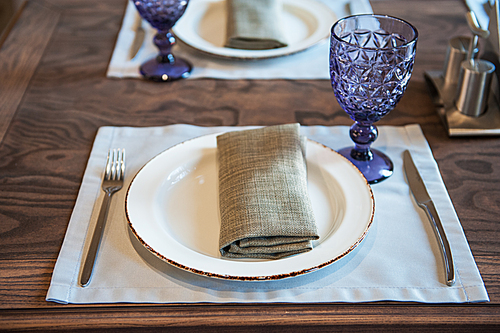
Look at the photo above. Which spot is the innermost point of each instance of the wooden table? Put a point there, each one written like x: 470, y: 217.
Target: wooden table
x: 54, y: 95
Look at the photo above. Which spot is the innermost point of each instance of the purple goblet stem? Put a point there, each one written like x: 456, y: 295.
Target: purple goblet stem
x: 363, y: 136
x: 164, y: 40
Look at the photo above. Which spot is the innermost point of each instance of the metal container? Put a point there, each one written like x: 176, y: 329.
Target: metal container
x: 474, y: 87
x: 455, y: 55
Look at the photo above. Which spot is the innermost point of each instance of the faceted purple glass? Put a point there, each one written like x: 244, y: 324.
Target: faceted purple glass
x: 371, y: 61
x: 162, y: 15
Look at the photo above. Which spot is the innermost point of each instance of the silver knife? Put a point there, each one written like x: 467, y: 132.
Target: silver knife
x: 139, y: 34
x: 423, y: 199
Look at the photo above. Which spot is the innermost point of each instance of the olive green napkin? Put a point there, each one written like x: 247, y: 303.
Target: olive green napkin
x: 254, y: 24
x: 264, y: 203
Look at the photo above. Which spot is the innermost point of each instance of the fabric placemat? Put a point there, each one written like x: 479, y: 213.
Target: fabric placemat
x: 399, y: 260
x: 307, y: 65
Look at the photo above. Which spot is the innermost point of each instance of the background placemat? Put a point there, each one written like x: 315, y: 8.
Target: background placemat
x: 309, y: 64
x: 399, y: 260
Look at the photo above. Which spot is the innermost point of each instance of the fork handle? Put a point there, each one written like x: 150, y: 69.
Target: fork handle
x: 96, y: 240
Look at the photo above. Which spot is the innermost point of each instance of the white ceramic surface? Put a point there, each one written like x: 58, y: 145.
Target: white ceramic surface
x: 172, y: 208
x: 203, y: 27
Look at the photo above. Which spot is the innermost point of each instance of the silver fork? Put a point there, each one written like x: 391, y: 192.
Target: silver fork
x: 111, y: 183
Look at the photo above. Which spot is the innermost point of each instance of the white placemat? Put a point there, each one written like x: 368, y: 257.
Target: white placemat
x: 309, y: 64
x: 399, y: 260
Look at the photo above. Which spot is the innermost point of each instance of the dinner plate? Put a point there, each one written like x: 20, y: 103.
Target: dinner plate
x: 203, y: 27
x: 172, y: 208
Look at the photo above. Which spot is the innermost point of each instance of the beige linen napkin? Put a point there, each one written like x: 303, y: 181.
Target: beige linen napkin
x: 264, y: 203
x: 254, y: 24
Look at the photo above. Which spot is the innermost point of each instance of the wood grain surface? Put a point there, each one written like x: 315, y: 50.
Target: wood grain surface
x: 64, y: 97
x: 20, y: 55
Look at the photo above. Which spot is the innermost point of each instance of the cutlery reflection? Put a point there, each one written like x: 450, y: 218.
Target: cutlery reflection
x: 423, y: 199
x: 112, y: 182
x: 139, y: 35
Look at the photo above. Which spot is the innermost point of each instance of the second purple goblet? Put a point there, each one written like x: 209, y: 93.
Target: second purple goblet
x: 162, y: 15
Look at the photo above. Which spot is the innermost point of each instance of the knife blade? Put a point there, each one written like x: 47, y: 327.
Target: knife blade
x: 425, y: 202
x: 139, y: 34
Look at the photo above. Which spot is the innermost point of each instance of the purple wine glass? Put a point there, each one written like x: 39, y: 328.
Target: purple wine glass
x: 371, y: 61
x: 162, y: 15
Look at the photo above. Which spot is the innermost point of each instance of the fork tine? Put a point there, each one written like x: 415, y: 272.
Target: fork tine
x: 115, y: 163
x: 109, y: 162
x: 122, y: 165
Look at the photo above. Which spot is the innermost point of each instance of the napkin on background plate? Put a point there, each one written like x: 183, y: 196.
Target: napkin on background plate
x: 264, y: 203
x: 398, y: 260
x: 254, y: 24
x: 310, y: 64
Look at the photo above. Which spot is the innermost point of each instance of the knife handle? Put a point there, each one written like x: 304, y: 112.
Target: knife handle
x: 431, y: 212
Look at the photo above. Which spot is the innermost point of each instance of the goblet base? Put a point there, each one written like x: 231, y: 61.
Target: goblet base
x: 377, y: 169
x: 166, y: 71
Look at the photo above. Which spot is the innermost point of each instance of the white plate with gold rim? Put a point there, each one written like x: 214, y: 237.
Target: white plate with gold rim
x: 203, y: 27
x: 172, y: 208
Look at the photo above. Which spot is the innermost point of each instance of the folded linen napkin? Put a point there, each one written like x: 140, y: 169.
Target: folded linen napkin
x: 264, y: 203
x: 254, y: 24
